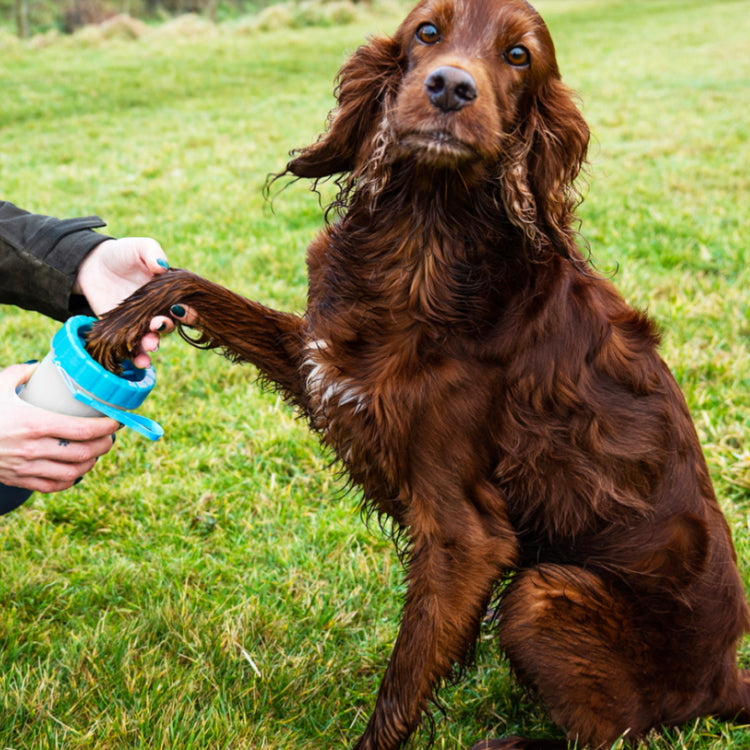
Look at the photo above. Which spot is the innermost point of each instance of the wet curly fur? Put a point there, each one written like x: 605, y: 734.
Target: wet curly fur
x: 490, y: 393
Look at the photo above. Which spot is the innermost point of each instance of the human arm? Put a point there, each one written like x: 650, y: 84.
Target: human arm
x: 61, y: 268
x: 39, y: 260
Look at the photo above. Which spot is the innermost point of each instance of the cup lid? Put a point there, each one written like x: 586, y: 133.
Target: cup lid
x: 125, y: 391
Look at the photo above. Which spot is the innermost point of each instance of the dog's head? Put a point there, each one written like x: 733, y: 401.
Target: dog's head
x: 464, y: 85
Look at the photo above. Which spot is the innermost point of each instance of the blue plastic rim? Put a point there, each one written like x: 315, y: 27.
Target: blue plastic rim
x: 125, y: 391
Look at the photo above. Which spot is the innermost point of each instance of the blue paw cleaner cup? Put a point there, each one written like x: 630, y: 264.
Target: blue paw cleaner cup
x: 69, y: 381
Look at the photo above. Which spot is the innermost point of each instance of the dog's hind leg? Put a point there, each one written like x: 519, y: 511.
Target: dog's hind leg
x: 520, y: 743
x: 734, y: 704
x: 568, y: 636
x: 609, y: 665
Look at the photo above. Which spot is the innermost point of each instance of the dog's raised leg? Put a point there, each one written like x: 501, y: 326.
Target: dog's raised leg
x: 246, y: 331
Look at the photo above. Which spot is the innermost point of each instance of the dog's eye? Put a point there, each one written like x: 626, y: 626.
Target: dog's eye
x: 518, y: 56
x: 427, y: 33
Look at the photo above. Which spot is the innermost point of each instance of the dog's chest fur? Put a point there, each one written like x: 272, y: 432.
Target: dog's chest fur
x: 389, y: 360
x: 363, y: 415
x: 395, y: 415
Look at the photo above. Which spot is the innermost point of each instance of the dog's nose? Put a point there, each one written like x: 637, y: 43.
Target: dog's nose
x: 450, y: 89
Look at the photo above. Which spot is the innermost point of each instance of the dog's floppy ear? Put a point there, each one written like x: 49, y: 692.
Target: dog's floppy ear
x: 549, y: 151
x: 364, y: 83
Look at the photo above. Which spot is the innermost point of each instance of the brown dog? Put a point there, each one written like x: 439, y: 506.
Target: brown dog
x: 490, y: 393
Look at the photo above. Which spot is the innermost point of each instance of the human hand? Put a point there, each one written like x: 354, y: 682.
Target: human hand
x: 41, y: 450
x: 112, y: 271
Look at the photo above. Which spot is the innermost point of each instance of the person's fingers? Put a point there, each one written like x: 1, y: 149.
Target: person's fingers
x: 152, y: 255
x: 43, y: 423
x: 150, y: 343
x: 73, y: 429
x: 49, y: 476
x: 14, y: 375
x: 42, y: 484
x: 162, y: 325
x: 52, y: 464
x: 114, y: 269
x: 40, y: 449
x: 62, y: 451
x: 141, y: 360
x: 186, y: 315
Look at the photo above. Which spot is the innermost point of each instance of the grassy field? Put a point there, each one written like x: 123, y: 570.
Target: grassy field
x: 217, y: 589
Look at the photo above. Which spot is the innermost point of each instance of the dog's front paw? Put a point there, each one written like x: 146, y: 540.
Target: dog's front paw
x: 116, y: 336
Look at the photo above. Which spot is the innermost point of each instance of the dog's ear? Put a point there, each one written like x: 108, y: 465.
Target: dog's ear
x: 364, y: 83
x: 548, y: 152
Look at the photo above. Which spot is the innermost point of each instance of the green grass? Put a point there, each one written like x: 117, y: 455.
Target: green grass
x: 217, y: 589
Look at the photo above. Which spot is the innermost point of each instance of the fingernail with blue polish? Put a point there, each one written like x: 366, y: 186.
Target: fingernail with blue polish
x: 162, y: 263
x: 162, y: 327
x: 78, y: 481
x: 31, y: 362
x: 178, y: 311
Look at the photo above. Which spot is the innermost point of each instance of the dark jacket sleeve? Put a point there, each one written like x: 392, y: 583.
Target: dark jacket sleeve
x: 39, y: 260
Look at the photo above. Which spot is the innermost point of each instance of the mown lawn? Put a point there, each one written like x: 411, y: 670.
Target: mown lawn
x: 218, y: 589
